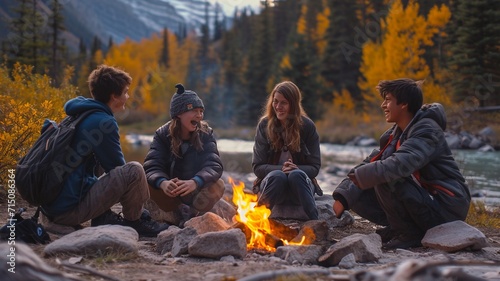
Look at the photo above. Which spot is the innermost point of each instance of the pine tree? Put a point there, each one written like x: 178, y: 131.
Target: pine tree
x: 19, y: 34
x: 260, y: 64
x: 164, y: 55
x: 27, y: 44
x: 232, y: 60
x: 110, y: 43
x: 301, y: 67
x: 36, y: 42
x: 94, y: 49
x: 476, y: 54
x: 219, y: 24
x: 342, y: 58
x: 56, y: 23
x: 286, y: 14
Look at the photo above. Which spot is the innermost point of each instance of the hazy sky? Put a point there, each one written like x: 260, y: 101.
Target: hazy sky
x: 229, y: 5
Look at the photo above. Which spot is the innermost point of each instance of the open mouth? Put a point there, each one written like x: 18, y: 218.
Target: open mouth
x: 195, y: 123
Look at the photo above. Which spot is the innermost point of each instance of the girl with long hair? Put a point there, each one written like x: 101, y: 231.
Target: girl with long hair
x: 286, y: 154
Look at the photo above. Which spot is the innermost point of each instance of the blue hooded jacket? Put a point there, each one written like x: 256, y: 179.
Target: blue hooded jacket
x: 97, y: 134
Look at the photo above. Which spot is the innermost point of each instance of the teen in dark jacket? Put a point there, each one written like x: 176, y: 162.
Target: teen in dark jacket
x: 413, y: 182
x: 286, y: 154
x: 183, y: 165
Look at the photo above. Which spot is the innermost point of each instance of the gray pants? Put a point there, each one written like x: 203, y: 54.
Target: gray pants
x: 125, y: 184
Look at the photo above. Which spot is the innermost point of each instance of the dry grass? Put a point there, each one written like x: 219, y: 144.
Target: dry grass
x: 480, y: 216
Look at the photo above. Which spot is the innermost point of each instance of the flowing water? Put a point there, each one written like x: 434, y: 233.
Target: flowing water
x: 481, y: 169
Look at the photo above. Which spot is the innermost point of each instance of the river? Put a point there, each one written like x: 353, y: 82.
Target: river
x: 481, y: 169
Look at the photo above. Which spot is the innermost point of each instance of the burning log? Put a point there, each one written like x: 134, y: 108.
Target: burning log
x: 245, y: 229
x: 272, y: 240
x: 283, y: 231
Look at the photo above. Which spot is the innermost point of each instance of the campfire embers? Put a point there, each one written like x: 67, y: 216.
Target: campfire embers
x: 261, y: 232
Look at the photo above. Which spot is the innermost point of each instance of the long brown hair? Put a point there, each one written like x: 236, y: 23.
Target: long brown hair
x: 195, y: 139
x: 287, y: 134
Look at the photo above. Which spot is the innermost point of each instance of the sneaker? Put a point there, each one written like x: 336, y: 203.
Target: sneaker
x: 108, y: 217
x: 146, y: 215
x: 146, y: 228
x: 400, y: 242
x: 385, y: 233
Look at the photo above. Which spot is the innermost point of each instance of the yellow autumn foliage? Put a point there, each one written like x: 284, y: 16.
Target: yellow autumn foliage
x: 400, y: 53
x: 317, y: 34
x: 25, y: 101
x: 152, y: 85
x: 323, y: 22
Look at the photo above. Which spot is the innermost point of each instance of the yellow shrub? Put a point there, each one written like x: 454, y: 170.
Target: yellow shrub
x: 26, y: 100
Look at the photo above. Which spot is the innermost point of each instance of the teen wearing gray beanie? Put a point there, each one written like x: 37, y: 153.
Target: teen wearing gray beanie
x: 183, y: 101
x: 183, y: 166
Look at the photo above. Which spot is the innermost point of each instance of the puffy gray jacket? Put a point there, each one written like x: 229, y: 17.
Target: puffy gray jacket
x: 423, y: 151
x: 161, y: 163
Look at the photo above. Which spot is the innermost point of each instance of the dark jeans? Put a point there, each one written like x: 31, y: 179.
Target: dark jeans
x: 407, y: 207
x: 294, y: 188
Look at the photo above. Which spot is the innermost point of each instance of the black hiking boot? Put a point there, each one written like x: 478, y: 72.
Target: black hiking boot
x: 403, y: 242
x: 385, y: 233
x: 108, y: 217
x: 146, y: 227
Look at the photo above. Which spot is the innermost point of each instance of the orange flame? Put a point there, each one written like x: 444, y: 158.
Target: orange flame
x: 254, y: 217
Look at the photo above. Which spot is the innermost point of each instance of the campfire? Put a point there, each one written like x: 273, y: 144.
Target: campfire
x: 265, y: 234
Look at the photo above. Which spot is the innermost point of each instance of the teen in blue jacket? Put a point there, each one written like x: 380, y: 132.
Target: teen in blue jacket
x: 97, y: 144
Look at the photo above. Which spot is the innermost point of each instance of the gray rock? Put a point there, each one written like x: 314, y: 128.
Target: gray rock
x: 24, y: 264
x: 215, y: 245
x: 181, y: 241
x: 454, y: 236
x: 96, y: 240
x: 453, y: 141
x: 303, y: 254
x: 486, y: 132
x: 476, y: 143
x: 367, y: 142
x: 366, y: 248
x: 165, y: 239
x: 348, y: 262
x: 486, y: 148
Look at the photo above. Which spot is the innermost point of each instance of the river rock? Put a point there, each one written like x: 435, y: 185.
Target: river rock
x: 219, y: 244
x: 96, y: 240
x: 454, y: 236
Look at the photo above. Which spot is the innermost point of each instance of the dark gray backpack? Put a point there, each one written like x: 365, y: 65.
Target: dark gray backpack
x: 41, y: 173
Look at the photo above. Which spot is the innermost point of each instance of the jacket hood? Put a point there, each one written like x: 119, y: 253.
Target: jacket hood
x: 81, y: 104
x: 435, y: 112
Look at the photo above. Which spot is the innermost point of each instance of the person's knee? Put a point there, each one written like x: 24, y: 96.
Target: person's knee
x: 134, y: 166
x: 277, y: 175
x: 297, y: 175
x: 134, y: 169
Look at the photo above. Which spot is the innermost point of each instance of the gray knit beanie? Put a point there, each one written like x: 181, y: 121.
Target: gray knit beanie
x: 183, y: 101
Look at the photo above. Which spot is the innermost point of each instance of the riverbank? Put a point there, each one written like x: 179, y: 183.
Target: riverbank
x: 148, y: 264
